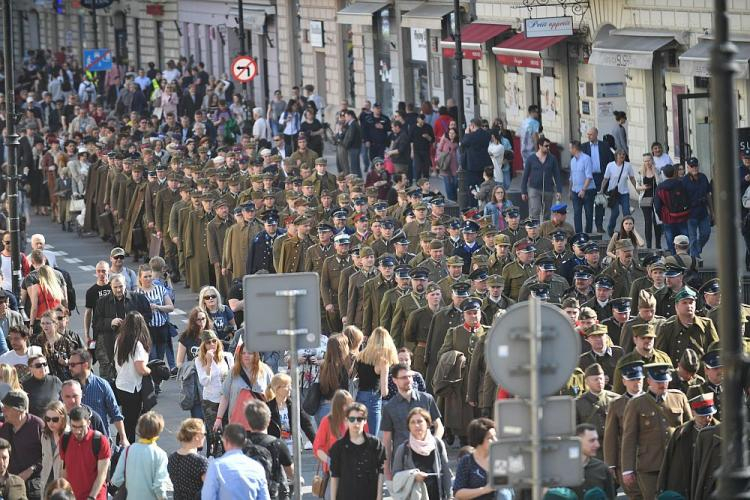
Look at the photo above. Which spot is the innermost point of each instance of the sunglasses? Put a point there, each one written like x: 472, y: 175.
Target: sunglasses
x: 211, y: 341
x: 76, y: 364
x: 209, y: 297
x: 60, y: 318
x: 51, y: 419
x: 356, y: 419
x: 7, y: 242
x: 41, y: 365
x: 119, y: 257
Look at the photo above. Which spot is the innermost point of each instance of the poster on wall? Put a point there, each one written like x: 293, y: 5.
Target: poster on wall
x: 511, y: 95
x: 418, y: 44
x: 547, y: 98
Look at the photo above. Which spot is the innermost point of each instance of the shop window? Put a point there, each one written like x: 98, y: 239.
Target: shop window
x: 701, y: 82
x: 548, y: 71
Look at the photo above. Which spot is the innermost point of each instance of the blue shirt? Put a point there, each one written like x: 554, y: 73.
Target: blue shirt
x: 97, y: 393
x: 697, y: 191
x: 233, y: 476
x: 597, y: 166
x: 581, y: 169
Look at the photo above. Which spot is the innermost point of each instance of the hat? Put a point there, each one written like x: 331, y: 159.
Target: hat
x: 559, y: 208
x: 270, y: 218
x: 594, y: 370
x: 377, y: 159
x: 379, y: 205
x: 646, y: 300
x: 582, y: 273
x: 354, y: 250
x: 681, y: 240
x: 324, y: 226
x: 673, y: 270
x: 512, y: 212
x: 221, y: 202
x: 207, y: 335
x: 419, y: 273
x: 460, y: 289
x: 703, y: 404
x: 340, y: 214
x: 237, y: 210
x: 590, y: 247
x: 686, y: 293
x: 571, y: 302
x: 644, y: 330
x: 689, y: 360
x: 426, y: 236
x: 531, y: 223
x: 524, y: 246
x: 621, y: 304
x: 401, y: 240
x: 540, y: 291
x: 559, y: 235
x: 579, y: 239
x: 632, y: 370
x: 545, y: 263
x: 604, y: 282
x: 650, y: 259
x: 658, y: 264
x: 624, y: 244
x: 419, y: 206
x: 470, y: 227
x: 597, y: 329
x: 387, y: 224
x: 17, y: 400
x: 454, y: 260
x: 502, y: 240
x: 587, y: 313
x: 438, y: 201
x: 480, y: 260
x: 387, y: 260
x: 659, y: 372
x: 248, y: 207
x: 402, y: 271
x: 366, y: 252
x: 472, y: 304
x: 117, y: 251
x: 361, y: 217
x: 711, y: 358
x: 432, y: 287
x: 342, y: 239
x: 436, y: 245
x: 479, y: 274
x: 454, y: 224
x: 495, y: 280
x: 711, y: 286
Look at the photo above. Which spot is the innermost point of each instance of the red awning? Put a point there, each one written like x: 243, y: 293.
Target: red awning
x: 472, y: 38
x: 521, y: 51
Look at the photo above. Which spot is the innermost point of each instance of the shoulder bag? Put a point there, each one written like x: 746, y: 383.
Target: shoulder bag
x: 122, y: 491
x: 237, y: 416
x: 613, y: 195
x: 320, y: 482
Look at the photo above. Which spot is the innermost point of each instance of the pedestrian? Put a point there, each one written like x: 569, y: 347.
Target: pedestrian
x: 282, y: 418
x: 85, y: 455
x: 476, y: 158
x: 627, y: 231
x: 117, y: 266
x: 186, y: 466
x: 701, y: 218
x: 619, y: 133
x: 99, y: 289
x: 24, y: 432
x: 672, y: 205
x: 497, y: 149
x: 258, y: 417
x: 289, y: 123
x: 188, y: 348
x: 582, y: 186
x: 357, y: 460
x: 422, y: 141
x: 18, y: 356
x: 13, y: 487
x: 131, y: 357
x: 45, y: 295
x: 55, y: 425
x: 446, y: 160
x: 647, y: 189
x: 331, y: 427
x: 334, y: 373
x: 596, y: 473
x: 56, y: 346
x: 41, y: 387
x: 615, y: 187
x: 148, y: 478
x: 472, y: 472
x: 247, y: 478
x: 212, y: 366
x: 222, y: 317
x: 423, y: 457
x: 541, y: 178
x: 161, y: 305
x: 372, y: 367
x: 496, y: 207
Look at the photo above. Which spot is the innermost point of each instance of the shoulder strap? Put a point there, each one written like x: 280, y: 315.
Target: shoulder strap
x: 64, y: 441
x: 96, y: 444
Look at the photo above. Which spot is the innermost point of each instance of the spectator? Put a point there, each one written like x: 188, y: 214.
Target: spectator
x: 258, y: 417
x: 529, y: 132
x: 476, y: 158
x: 282, y: 417
x: 601, y: 156
x: 331, y: 427
x: 188, y: 347
x: 99, y: 289
x: 187, y: 468
x: 627, y: 231
x: 417, y: 381
x: 117, y: 266
x: 671, y: 204
x: 582, y: 186
x: 496, y: 150
x: 496, y: 207
x: 647, y: 189
x: 8, y: 318
x: 399, y: 151
x: 161, y: 305
x: 372, y: 367
x: 42, y: 388
x: 541, y: 175
x: 422, y: 141
x: 71, y: 395
x: 38, y: 243
x: 352, y: 141
x: 619, y: 132
x: 13, y: 487
x: 148, y: 476
x: 222, y: 317
x: 334, y: 373
x: 472, y: 478
x: 131, y: 358
x: 357, y: 460
x: 20, y: 351
x: 212, y: 366
x: 45, y: 295
x: 616, y: 180
x: 698, y: 190
x: 24, y: 432
x: 446, y: 160
x: 85, y: 455
x: 289, y: 122
x: 56, y: 346
x: 55, y: 423
x: 234, y: 475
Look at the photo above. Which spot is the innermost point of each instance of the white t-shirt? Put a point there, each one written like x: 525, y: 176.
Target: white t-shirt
x: 613, y: 173
x: 7, y: 267
x: 171, y: 75
x: 211, y: 382
x: 12, y: 358
x: 128, y: 379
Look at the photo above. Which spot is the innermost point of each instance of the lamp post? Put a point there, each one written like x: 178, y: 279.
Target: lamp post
x: 734, y: 474
x: 462, y: 194
x: 241, y: 28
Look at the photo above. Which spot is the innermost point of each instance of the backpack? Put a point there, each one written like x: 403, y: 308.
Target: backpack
x: 266, y: 454
x: 187, y: 378
x: 96, y: 443
x: 691, y: 277
x: 70, y: 289
x: 678, y: 201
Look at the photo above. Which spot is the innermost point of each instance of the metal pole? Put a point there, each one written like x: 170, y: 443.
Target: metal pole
x: 463, y: 195
x: 734, y: 475
x: 95, y: 26
x: 241, y: 27
x: 296, y: 441
x: 12, y: 142
x: 535, y: 337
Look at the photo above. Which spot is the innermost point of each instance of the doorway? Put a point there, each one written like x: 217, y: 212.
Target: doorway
x: 694, y: 110
x: 34, y: 33
x: 121, y: 37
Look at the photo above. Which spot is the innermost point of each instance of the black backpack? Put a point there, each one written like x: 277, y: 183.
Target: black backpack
x: 265, y: 453
x: 70, y: 290
x: 678, y: 202
x: 96, y: 443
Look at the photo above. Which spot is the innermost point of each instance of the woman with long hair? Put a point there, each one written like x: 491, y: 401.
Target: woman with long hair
x: 647, y: 189
x: 161, y: 305
x: 56, y: 347
x: 249, y: 373
x: 209, y: 299
x: 474, y: 468
x: 45, y: 295
x: 446, y: 159
x: 372, y: 368
x: 331, y: 427
x: 355, y: 337
x: 9, y: 375
x: 58, y: 487
x: 188, y: 347
x: 313, y: 130
x: 212, y: 365
x: 627, y: 231
x: 334, y: 373
x: 187, y: 468
x: 498, y: 203
x: 282, y: 417
x: 289, y: 122
x: 131, y: 357
x: 55, y: 425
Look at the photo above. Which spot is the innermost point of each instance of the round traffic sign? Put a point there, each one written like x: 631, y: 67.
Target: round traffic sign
x: 507, y: 350
x: 244, y: 68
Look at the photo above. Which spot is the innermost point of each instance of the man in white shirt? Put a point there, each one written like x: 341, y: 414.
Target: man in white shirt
x: 38, y: 243
x: 661, y: 160
x: 261, y: 127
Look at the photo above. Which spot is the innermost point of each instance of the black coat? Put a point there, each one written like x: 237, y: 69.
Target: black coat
x: 106, y: 311
x: 605, y: 155
x: 274, y: 428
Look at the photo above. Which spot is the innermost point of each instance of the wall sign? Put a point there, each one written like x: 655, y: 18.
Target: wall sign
x: 418, y: 44
x: 548, y: 26
x: 316, y: 34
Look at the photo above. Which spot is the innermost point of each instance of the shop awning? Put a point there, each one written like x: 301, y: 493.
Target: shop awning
x: 628, y: 51
x: 525, y: 52
x: 697, y: 59
x: 360, y: 13
x: 427, y: 16
x: 473, y: 37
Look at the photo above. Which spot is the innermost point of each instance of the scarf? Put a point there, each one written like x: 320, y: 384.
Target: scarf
x: 423, y: 448
x: 148, y: 441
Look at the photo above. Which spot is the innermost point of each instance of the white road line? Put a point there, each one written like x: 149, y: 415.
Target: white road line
x: 178, y: 312
x: 72, y: 260
x: 87, y: 268
x: 59, y: 253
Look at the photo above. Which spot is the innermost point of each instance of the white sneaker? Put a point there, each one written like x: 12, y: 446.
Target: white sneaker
x: 308, y: 445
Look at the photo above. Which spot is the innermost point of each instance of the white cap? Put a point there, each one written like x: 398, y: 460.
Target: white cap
x: 265, y: 152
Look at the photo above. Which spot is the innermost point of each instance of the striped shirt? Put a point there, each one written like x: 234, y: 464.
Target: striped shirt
x: 156, y: 296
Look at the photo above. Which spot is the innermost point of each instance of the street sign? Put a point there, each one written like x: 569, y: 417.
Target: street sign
x: 244, y: 68
x: 513, y: 417
x: 99, y: 4
x: 97, y: 59
x: 510, y: 460
x: 268, y: 307
x: 507, y: 350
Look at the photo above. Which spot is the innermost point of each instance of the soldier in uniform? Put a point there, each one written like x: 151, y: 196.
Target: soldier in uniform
x: 706, y: 462
x: 514, y: 231
x: 293, y: 250
x: 196, y: 245
x: 401, y: 250
x: 470, y: 245
x: 216, y: 231
x: 687, y: 372
x: 559, y: 253
x: 236, y: 244
x: 407, y: 304
x: 643, y: 336
x: 318, y: 253
x: 578, y: 258
x: 685, y: 329
x: 676, y: 470
x: 665, y: 288
x: 646, y: 314
x: 425, y: 238
x: 517, y: 272
x: 134, y: 236
x: 543, y: 245
x: 417, y: 327
x: 648, y: 423
x: 592, y: 405
x: 602, y: 293
x: 624, y: 269
x: 160, y: 183
x: 455, y: 267
x: 356, y: 296
x: 322, y: 179
x: 478, y: 279
x: 330, y: 276
x: 173, y: 230
x: 260, y: 254
x: 620, y: 316
x: 391, y: 296
x: 501, y: 257
x: 420, y: 224
x: 495, y: 300
x: 602, y: 352
x: 557, y: 223
x: 545, y: 273
x: 632, y: 379
x: 582, y: 289
x: 446, y: 318
x: 344, y: 278
x: 374, y: 291
x: 162, y: 209
x: 436, y: 263
x: 714, y: 372
x: 711, y: 294
x: 645, y: 282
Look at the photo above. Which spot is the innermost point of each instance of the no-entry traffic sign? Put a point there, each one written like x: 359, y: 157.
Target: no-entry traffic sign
x: 244, y: 68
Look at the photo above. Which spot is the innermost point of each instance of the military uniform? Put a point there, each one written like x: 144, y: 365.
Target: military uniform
x: 491, y: 307
x: 657, y: 357
x: 677, y: 467
x: 260, y: 254
x: 236, y: 245
x: 612, y: 442
x: 134, y: 236
x: 357, y: 297
x: 481, y: 392
x: 416, y: 332
x: 614, y: 328
x: 664, y: 301
x: 446, y: 318
x: 437, y: 269
x: 196, y: 249
x: 608, y: 361
x: 329, y: 287
x: 316, y: 255
x: 153, y: 189
x: 164, y: 201
x: 581, y: 297
x: 557, y: 287
x: 602, y: 311
x: 647, y: 426
x: 465, y: 252
x: 497, y: 264
x: 514, y: 234
x: 216, y: 231
x: 707, y: 459
x: 405, y: 306
x: 622, y: 277
x: 592, y: 409
x: 514, y: 276
x: 343, y: 290
x: 412, y: 231
x: 183, y: 216
x: 373, y: 292
x: 548, y: 227
x: 705, y: 387
x: 306, y: 158
x: 626, y: 333
x: 173, y: 232
x: 673, y: 337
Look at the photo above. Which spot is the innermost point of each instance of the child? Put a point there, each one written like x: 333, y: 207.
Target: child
x: 483, y: 194
x: 64, y: 192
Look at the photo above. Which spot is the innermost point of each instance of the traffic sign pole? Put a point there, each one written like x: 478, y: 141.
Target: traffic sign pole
x: 535, y: 333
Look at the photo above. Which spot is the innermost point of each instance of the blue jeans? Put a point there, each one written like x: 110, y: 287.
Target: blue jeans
x: 598, y: 209
x: 323, y: 410
x: 354, y: 162
x: 451, y: 187
x: 197, y: 410
x: 579, y: 205
x: 159, y: 341
x: 699, y: 230
x: 624, y: 204
x: 672, y: 230
x: 507, y: 176
x: 374, y: 403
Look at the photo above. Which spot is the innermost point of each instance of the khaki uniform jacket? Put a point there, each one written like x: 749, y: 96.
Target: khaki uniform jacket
x: 514, y: 276
x: 164, y: 201
x: 437, y: 269
x: 326, y: 181
x: 172, y: 227
x: 343, y: 290
x: 464, y: 341
x: 642, y: 283
x: 196, y: 249
x: 557, y: 287
x: 418, y: 325
x: 490, y: 307
x: 548, y: 227
x: 134, y: 218
x: 236, y: 246
x: 706, y: 460
x: 14, y: 488
x: 216, y: 231
x: 329, y: 279
x: 307, y: 158
x: 673, y: 337
x: 657, y: 357
x: 388, y: 304
x: 623, y: 277
x: 125, y: 189
x: 626, y: 334
x: 446, y: 289
x: 448, y: 317
x: 405, y: 306
x: 514, y: 234
x: 608, y: 361
x: 315, y: 257
x: 613, y: 427
x: 677, y: 467
x: 412, y: 230
x: 374, y: 291
x: 477, y: 374
x: 647, y: 427
x: 592, y: 409
x: 602, y: 312
x: 356, y: 305
x: 153, y: 189
x: 497, y: 264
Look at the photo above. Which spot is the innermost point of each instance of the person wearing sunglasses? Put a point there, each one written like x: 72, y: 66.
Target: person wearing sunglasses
x: 357, y: 460
x: 117, y: 266
x: 55, y: 425
x: 212, y: 366
x: 23, y: 431
x: 41, y: 387
x: 209, y: 300
x: 56, y: 345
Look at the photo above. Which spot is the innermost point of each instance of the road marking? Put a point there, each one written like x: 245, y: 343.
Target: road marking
x: 59, y: 253
x: 184, y: 321
x: 73, y: 260
x: 87, y: 268
x: 178, y: 312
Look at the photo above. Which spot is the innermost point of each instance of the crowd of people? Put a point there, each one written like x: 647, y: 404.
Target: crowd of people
x: 177, y: 172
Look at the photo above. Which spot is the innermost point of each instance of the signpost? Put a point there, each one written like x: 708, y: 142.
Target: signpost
x: 531, y: 351
x: 269, y: 298
x: 244, y: 68
x: 97, y: 59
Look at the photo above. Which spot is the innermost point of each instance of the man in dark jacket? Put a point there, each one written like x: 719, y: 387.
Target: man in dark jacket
x: 352, y: 141
x: 109, y: 313
x: 601, y: 156
x: 375, y: 130
x: 475, y: 143
x: 400, y: 149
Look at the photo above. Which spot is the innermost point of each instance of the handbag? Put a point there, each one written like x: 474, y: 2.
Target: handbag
x: 444, y: 161
x: 600, y: 200
x: 243, y: 398
x: 613, y: 195
x: 122, y: 491
x: 389, y: 166
x: 77, y: 205
x: 320, y: 483
x: 148, y: 394
x: 312, y: 399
